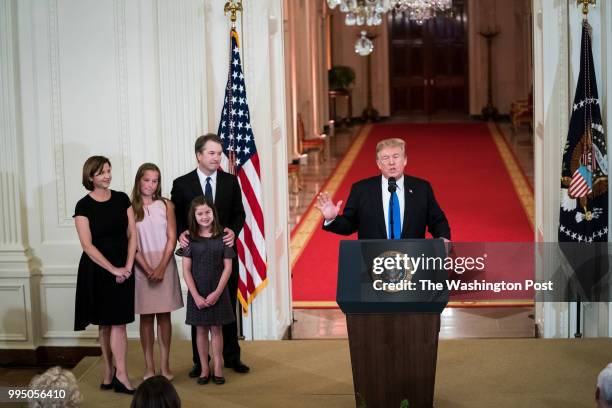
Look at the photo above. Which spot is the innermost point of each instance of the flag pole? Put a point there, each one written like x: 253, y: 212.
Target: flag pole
x: 585, y: 6
x: 585, y: 15
x: 233, y: 7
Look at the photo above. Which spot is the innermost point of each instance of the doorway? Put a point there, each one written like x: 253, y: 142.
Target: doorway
x: 428, y: 64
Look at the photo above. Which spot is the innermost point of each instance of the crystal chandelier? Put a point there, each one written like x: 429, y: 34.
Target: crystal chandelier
x: 369, y: 12
x: 421, y: 10
x: 362, y: 12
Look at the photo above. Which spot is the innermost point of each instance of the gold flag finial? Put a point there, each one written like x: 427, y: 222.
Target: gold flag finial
x: 233, y: 6
x: 585, y: 6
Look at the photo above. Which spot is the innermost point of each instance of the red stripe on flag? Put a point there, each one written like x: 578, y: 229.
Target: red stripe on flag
x: 255, y: 161
x: 249, y: 193
x: 241, y: 285
x: 258, y: 263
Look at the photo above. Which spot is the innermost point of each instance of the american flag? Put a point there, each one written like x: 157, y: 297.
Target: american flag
x: 241, y: 158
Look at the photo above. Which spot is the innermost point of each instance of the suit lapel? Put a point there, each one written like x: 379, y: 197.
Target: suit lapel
x: 219, y: 188
x: 380, y: 213
x: 195, y: 184
x: 408, y: 202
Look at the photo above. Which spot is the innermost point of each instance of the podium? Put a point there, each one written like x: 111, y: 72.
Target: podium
x: 393, y: 333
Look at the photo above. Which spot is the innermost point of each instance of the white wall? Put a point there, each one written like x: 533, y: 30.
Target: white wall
x: 557, y: 33
x: 135, y: 81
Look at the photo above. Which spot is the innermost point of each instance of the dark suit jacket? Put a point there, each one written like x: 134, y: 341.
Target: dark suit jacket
x: 228, y: 200
x: 363, y: 211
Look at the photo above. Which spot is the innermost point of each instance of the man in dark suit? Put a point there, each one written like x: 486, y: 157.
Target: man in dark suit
x: 392, y: 205
x: 224, y: 189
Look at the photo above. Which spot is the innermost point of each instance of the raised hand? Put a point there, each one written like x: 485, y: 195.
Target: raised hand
x: 328, y: 209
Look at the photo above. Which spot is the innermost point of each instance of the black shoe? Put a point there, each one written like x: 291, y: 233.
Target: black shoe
x: 107, y: 387
x: 196, y: 371
x: 204, y: 380
x: 239, y: 367
x: 119, y: 387
x: 218, y: 380
x: 111, y: 385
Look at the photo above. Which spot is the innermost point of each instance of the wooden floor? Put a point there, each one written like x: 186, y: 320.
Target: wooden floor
x: 493, y: 322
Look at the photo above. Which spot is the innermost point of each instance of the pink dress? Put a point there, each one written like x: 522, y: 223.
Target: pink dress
x: 155, y: 297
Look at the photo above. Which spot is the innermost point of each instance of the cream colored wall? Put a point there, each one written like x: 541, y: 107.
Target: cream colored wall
x: 135, y: 81
x: 511, y: 52
x: 306, y: 86
x: 343, y: 53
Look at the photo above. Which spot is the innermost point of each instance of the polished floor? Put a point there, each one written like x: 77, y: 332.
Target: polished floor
x: 481, y: 322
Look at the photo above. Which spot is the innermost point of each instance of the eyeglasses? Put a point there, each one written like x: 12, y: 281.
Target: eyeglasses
x: 386, y: 158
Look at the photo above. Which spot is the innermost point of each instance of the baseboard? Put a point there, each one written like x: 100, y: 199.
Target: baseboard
x: 46, y: 356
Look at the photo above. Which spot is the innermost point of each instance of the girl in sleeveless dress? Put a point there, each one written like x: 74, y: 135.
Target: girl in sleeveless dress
x: 158, y: 290
x: 104, y: 221
x: 207, y: 266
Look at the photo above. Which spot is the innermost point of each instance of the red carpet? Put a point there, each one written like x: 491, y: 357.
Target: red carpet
x: 469, y: 169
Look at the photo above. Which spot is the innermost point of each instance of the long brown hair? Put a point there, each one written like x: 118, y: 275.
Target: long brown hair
x: 137, y: 195
x: 194, y: 228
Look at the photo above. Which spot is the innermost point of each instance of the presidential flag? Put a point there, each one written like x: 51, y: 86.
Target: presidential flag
x: 584, y: 175
x: 583, y: 217
x: 241, y: 158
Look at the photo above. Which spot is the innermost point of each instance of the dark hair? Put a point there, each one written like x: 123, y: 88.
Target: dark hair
x: 137, y: 195
x: 92, y: 166
x: 156, y: 392
x: 194, y: 228
x: 201, y: 141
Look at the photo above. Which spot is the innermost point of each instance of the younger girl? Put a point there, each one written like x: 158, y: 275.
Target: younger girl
x: 207, y: 266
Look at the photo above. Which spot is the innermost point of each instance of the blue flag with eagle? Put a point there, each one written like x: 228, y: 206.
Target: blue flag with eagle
x: 584, y: 174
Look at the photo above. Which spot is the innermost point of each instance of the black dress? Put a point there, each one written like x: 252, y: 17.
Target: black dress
x: 207, y: 256
x: 100, y: 299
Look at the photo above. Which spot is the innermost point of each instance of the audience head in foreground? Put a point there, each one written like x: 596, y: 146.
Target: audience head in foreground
x: 603, y: 393
x: 56, y: 378
x: 156, y: 392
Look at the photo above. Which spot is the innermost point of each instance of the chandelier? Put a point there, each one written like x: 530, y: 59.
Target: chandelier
x: 421, y: 10
x: 369, y: 12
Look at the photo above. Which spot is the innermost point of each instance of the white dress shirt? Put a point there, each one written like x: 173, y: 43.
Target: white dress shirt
x: 213, y: 182
x: 386, y: 195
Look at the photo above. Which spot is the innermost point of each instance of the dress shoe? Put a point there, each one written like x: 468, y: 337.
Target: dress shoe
x: 196, y: 371
x: 111, y: 385
x: 239, y: 367
x: 218, y: 380
x: 204, y: 380
x: 119, y: 387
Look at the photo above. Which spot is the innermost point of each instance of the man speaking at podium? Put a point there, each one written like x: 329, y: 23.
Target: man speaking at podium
x: 394, y: 206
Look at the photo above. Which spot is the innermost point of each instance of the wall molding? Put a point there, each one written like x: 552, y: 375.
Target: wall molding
x: 20, y: 290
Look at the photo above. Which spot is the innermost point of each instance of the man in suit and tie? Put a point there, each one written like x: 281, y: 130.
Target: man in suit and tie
x: 393, y: 205
x: 224, y: 190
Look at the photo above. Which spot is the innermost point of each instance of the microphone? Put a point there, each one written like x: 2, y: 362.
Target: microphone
x: 392, y: 185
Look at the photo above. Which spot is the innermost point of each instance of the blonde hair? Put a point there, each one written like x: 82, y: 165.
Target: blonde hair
x: 56, y: 378
x: 391, y: 142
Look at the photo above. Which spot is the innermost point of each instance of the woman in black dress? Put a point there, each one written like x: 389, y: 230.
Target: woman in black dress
x: 105, y: 285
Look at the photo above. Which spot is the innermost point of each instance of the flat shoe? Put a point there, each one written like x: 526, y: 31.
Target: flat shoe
x: 203, y: 380
x: 218, y: 380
